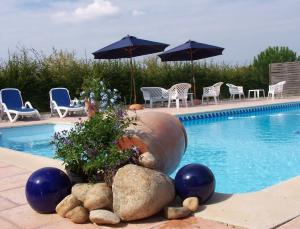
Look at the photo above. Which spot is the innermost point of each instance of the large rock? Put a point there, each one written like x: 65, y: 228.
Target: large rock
x: 80, y: 190
x: 139, y: 192
x: 78, y: 215
x: 99, y: 196
x: 67, y: 204
x: 104, y: 217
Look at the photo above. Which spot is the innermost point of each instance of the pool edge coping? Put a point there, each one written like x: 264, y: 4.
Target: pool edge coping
x: 234, y: 111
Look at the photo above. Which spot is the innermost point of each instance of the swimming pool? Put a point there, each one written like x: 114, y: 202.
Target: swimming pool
x: 33, y: 139
x: 247, y: 151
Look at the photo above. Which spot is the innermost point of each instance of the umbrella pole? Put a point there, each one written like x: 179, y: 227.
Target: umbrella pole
x: 133, y: 91
x: 194, y: 81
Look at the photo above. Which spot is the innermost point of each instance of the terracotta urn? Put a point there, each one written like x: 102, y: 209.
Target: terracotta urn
x: 162, y: 135
x: 136, y: 106
x: 90, y: 108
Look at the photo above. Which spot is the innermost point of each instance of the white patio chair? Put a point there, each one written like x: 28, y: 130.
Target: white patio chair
x: 155, y: 94
x: 212, y: 91
x: 61, y: 102
x: 179, y: 92
x: 11, y: 103
x: 235, y: 90
x: 276, y: 89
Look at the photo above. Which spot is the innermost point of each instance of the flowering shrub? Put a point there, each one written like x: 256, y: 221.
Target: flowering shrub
x: 99, y: 94
x: 91, y: 150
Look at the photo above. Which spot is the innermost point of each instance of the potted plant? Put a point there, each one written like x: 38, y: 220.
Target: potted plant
x: 90, y: 150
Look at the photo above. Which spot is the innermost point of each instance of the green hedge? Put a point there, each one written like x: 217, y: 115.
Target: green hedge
x: 35, y: 74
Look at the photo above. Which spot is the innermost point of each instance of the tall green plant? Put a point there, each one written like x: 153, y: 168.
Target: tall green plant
x: 35, y: 73
x: 272, y: 55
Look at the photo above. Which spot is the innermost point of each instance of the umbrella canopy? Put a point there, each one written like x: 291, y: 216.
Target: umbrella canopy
x: 129, y: 47
x: 190, y: 51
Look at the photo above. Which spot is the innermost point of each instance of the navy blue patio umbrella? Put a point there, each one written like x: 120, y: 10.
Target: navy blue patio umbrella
x: 129, y: 47
x: 190, y: 51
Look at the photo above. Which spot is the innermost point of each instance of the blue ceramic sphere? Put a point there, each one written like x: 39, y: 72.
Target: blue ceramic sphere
x: 195, y: 180
x: 45, y: 188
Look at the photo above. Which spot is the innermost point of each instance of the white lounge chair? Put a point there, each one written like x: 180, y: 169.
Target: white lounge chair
x: 11, y: 103
x: 276, y: 89
x: 179, y: 92
x: 212, y: 91
x: 155, y: 94
x: 60, y: 101
x: 235, y: 90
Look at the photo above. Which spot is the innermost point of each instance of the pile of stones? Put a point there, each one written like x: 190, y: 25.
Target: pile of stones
x: 137, y: 193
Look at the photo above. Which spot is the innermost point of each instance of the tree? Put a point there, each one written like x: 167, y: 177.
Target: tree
x: 272, y: 55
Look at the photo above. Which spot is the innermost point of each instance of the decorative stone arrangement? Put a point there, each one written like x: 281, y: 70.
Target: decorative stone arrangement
x: 137, y: 193
x: 138, y: 190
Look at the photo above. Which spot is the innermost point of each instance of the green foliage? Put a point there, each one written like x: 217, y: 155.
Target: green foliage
x: 91, y: 147
x: 35, y: 74
x: 272, y: 55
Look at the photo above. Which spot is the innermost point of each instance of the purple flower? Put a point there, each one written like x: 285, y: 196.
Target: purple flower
x: 91, y: 153
x: 67, y: 141
x: 121, y: 113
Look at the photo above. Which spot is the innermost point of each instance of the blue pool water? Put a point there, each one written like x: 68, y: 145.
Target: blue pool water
x: 32, y: 139
x: 246, y: 152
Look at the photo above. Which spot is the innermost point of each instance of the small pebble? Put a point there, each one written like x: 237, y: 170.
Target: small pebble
x: 191, y: 203
x: 176, y: 212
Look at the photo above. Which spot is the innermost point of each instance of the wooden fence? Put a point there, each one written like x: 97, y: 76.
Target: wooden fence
x: 290, y: 72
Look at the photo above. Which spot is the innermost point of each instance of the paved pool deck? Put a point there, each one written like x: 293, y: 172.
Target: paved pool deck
x: 16, y: 213
x: 275, y: 207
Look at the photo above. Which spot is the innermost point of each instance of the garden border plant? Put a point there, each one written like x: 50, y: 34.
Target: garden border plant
x: 34, y: 73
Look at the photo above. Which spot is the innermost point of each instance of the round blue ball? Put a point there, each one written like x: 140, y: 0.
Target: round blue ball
x: 45, y: 188
x: 195, y: 180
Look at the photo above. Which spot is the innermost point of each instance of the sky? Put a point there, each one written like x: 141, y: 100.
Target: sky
x: 243, y: 27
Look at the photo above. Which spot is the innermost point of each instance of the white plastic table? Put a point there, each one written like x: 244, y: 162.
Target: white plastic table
x: 256, y: 93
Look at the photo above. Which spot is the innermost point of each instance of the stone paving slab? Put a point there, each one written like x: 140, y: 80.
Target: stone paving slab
x: 6, y: 204
x: 11, y: 171
x: 16, y: 195
x: 12, y: 182
x: 268, y: 208
x: 24, y: 217
x: 188, y: 223
x: 2, y: 164
x: 25, y: 162
x: 293, y: 224
x: 7, y: 225
x: 191, y: 223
